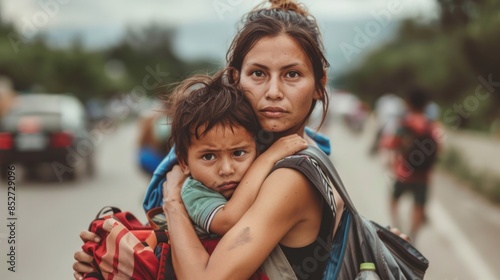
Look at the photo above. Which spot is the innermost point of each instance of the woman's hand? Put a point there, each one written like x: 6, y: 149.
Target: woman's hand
x: 173, y: 185
x: 83, y: 260
x: 397, y: 232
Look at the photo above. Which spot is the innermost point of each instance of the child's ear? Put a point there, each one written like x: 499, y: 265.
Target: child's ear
x: 184, y: 168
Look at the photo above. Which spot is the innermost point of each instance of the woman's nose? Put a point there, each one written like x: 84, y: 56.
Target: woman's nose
x: 274, y: 90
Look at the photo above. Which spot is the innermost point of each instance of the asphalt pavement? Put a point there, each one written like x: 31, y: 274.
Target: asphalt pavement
x: 460, y: 239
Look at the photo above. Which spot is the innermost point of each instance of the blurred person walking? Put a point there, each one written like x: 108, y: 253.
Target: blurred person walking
x: 389, y: 109
x: 153, y: 144
x: 415, y: 146
x: 432, y: 111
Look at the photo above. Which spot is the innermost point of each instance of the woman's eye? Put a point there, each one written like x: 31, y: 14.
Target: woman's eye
x: 257, y: 73
x: 208, y: 157
x: 239, y: 153
x: 292, y: 74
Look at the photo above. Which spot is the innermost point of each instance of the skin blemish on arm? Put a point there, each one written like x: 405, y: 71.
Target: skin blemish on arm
x: 243, y: 238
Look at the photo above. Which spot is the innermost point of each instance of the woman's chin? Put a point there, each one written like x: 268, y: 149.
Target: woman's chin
x: 273, y: 126
x: 278, y: 130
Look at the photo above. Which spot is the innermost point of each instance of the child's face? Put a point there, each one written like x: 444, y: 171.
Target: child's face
x: 220, y: 158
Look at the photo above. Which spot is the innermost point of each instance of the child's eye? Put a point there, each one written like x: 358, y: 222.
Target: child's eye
x: 239, y: 153
x: 208, y: 157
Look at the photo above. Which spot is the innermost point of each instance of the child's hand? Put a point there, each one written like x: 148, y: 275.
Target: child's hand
x: 285, y: 146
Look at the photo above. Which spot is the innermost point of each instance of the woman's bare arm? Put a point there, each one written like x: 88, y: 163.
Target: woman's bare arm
x: 244, y: 196
x: 285, y: 201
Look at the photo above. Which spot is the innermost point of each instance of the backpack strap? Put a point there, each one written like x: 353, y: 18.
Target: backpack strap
x: 317, y: 167
x: 151, y: 217
x: 329, y: 170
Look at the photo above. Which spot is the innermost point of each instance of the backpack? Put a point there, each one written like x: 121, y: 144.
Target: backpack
x: 124, y: 236
x: 418, y: 149
x: 357, y: 239
x: 132, y: 250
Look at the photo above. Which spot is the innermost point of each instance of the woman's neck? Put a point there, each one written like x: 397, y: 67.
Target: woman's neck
x: 267, y: 138
x: 309, y: 140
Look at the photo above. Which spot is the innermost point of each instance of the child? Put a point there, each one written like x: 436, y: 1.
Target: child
x: 214, y: 130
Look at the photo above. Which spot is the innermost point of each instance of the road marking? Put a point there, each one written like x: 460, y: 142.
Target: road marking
x: 464, y: 249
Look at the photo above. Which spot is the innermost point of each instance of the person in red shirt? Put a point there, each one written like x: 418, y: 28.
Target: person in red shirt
x: 414, y: 146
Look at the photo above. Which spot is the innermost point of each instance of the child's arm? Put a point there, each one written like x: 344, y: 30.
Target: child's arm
x: 201, y: 203
x: 249, y: 186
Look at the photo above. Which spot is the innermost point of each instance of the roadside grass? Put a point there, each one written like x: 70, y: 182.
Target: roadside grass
x: 483, y: 182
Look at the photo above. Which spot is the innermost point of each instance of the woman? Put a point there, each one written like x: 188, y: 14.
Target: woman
x: 279, y: 62
x: 283, y: 73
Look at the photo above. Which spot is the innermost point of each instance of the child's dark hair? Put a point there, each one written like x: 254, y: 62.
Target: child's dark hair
x: 417, y: 97
x: 201, y: 102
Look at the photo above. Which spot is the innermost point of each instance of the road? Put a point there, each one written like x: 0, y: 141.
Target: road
x: 461, y: 236
x: 460, y: 239
x: 52, y: 214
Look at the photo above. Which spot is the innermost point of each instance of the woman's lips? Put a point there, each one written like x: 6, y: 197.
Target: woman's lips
x: 273, y: 112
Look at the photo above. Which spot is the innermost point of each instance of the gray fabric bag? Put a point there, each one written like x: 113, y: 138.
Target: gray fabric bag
x: 359, y: 240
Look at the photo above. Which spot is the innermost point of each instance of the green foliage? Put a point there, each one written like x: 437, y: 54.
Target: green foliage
x: 451, y: 57
x: 483, y: 182
x: 496, y: 191
x: 147, y: 50
x: 34, y: 66
x: 143, y: 61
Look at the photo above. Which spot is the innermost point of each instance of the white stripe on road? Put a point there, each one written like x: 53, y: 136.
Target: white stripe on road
x: 443, y: 223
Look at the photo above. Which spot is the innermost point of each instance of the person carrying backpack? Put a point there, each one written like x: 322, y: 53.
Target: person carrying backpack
x: 414, y: 144
x: 279, y: 62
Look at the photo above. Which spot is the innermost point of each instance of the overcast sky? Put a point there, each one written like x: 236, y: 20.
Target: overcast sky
x: 101, y: 22
x: 97, y: 13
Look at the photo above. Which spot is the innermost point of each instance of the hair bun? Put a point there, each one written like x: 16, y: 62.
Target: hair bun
x: 289, y: 5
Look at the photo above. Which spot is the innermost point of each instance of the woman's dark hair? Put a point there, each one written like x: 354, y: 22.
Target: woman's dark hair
x: 289, y: 18
x: 201, y: 102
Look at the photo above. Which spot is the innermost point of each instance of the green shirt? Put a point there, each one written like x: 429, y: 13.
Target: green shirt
x: 201, y: 203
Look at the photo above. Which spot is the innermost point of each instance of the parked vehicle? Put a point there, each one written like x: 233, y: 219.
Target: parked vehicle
x: 47, y: 128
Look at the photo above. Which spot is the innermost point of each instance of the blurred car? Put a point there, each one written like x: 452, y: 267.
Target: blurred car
x: 47, y: 128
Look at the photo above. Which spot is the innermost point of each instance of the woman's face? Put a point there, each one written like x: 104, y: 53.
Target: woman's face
x: 279, y: 81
